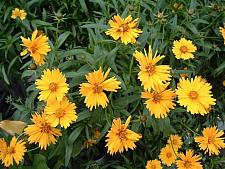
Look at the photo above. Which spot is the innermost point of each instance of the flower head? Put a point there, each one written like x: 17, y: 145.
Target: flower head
x: 160, y: 101
x: 61, y: 113
x: 183, y: 49
x: 120, y: 138
x: 153, y: 164
x: 125, y: 29
x: 41, y: 131
x: 222, y: 31
x: 53, y: 85
x: 151, y: 75
x: 211, y: 141
x: 20, y: 13
x: 93, y: 90
x: 189, y: 161
x: 175, y: 141
x: 168, y: 155
x: 14, y: 152
x: 195, y: 94
x: 37, y: 47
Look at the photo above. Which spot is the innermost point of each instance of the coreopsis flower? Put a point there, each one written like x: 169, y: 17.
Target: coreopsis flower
x: 20, y: 13
x: 53, y: 85
x: 223, y: 83
x: 183, y: 49
x: 153, y: 164
x: 222, y: 31
x: 41, y: 131
x: 37, y: 47
x: 93, y: 90
x: 160, y: 101
x: 61, y: 113
x: 175, y: 141
x: 151, y: 74
x: 12, y: 152
x: 211, y: 141
x: 120, y: 138
x: 125, y: 29
x: 189, y: 161
x: 89, y: 143
x: 168, y: 155
x: 195, y: 94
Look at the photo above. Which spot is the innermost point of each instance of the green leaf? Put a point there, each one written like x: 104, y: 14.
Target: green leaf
x: 40, y: 162
x: 73, y: 136
x: 63, y: 37
x: 5, y: 76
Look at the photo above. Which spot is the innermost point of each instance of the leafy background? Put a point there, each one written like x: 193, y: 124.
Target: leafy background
x: 76, y: 31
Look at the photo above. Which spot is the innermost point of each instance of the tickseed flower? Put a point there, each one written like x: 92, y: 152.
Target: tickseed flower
x: 37, y: 47
x: 160, y: 101
x: 120, y: 138
x: 53, y: 85
x: 14, y: 152
x: 61, y: 113
x: 223, y: 83
x: 20, y: 13
x: 93, y: 90
x: 151, y: 75
x: 88, y: 143
x: 125, y: 29
x: 211, y: 141
x: 153, y: 164
x: 175, y: 141
x: 195, y: 94
x: 41, y: 131
x: 183, y: 49
x: 222, y: 31
x: 189, y: 161
x: 167, y: 155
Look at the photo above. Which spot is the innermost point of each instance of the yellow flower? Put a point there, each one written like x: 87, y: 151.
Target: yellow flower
x: 125, y: 29
x: 222, y: 31
x: 89, y: 143
x: 211, y: 141
x: 120, y: 138
x: 189, y: 161
x: 160, y: 101
x: 183, y: 49
x: 62, y: 112
x: 167, y: 155
x: 195, y: 95
x: 37, y: 47
x: 14, y: 152
x: 224, y: 83
x: 175, y: 141
x: 93, y: 91
x: 153, y: 164
x: 18, y: 13
x: 53, y: 85
x: 41, y: 132
x: 150, y: 74
x: 97, y: 133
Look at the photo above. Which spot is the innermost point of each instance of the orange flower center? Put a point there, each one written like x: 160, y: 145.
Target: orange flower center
x: 153, y: 166
x: 187, y: 164
x: 156, y: 97
x: 53, y: 86
x: 60, y: 113
x: 98, y: 88
x: 122, y: 133
x: 11, y: 150
x: 169, y: 154
x: 193, y: 95
x: 124, y: 27
x: 211, y: 140
x: 33, y: 48
x: 183, y: 49
x: 45, y: 128
x: 150, y: 69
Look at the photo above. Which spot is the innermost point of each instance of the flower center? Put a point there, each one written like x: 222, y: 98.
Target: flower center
x: 193, y: 95
x: 11, y: 150
x: 53, y: 86
x: 60, y: 112
x: 122, y: 134
x: 187, y: 164
x: 169, y: 154
x: 98, y: 88
x: 153, y: 167
x: 33, y: 48
x: 183, y: 49
x: 45, y: 128
x: 150, y: 69
x: 124, y: 27
x: 156, y: 97
x: 211, y: 140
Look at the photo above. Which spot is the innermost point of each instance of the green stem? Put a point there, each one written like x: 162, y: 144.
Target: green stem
x: 184, y: 125
x: 56, y: 41
x: 32, y: 149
